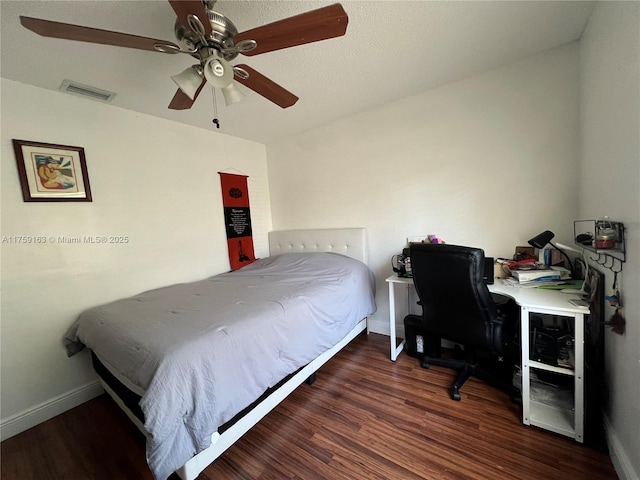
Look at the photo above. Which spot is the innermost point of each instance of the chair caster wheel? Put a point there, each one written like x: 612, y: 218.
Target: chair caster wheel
x: 425, y: 364
x: 455, y: 394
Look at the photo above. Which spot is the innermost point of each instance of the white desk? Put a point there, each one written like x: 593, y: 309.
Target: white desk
x: 566, y: 421
x: 394, y: 280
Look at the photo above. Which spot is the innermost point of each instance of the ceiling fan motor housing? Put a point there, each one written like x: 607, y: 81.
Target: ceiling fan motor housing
x: 223, y: 32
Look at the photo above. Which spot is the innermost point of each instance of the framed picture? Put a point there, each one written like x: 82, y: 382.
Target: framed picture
x: 52, y: 173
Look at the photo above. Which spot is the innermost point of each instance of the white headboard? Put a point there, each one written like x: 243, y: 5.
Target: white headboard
x: 351, y: 242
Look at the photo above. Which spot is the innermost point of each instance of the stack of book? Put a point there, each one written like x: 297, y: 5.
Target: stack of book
x: 541, y: 276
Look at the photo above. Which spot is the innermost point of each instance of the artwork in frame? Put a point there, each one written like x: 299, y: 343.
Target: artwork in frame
x: 52, y: 173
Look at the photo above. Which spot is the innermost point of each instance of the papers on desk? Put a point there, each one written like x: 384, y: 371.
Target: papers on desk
x: 540, y: 277
x: 564, y: 285
x: 525, y: 276
x: 513, y: 282
x: 549, y: 285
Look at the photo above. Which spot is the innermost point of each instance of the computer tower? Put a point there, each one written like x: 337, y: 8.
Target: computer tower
x: 414, y: 337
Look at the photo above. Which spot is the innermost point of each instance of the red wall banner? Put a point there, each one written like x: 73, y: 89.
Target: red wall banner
x: 237, y: 218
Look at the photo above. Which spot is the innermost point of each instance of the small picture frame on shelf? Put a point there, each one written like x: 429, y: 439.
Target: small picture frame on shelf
x: 52, y: 173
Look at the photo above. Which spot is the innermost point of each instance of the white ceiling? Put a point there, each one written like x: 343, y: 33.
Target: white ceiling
x: 392, y: 49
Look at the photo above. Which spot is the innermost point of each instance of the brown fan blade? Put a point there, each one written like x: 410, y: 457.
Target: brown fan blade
x: 184, y: 8
x: 313, y: 26
x: 66, y: 31
x: 180, y: 101
x: 267, y: 88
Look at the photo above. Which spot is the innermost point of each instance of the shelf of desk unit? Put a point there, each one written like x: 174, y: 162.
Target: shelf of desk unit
x: 551, y: 368
x: 551, y: 407
x: 553, y: 398
x: 558, y: 420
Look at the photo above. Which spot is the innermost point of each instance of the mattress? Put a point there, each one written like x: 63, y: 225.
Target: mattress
x: 199, y: 354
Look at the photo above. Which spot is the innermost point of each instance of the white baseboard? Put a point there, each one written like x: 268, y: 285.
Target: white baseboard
x: 33, y: 416
x: 381, y: 327
x: 619, y: 457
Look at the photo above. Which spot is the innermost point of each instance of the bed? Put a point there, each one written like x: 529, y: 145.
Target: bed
x: 196, y: 365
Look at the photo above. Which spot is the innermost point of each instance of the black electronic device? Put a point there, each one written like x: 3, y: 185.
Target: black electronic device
x: 553, y: 346
x: 585, y: 239
x: 545, y: 345
x: 487, y: 276
x: 414, y: 336
x: 401, y: 264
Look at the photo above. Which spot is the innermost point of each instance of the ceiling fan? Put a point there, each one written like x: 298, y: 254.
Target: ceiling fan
x: 213, y: 40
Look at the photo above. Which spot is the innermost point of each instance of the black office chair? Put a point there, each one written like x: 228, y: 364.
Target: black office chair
x: 457, y: 306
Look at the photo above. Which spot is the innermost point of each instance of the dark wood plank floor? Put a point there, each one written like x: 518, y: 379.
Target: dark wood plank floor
x: 364, y: 418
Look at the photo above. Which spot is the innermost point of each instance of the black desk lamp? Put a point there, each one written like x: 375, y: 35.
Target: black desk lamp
x: 541, y: 240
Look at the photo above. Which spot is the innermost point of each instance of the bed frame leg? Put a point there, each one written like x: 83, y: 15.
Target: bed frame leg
x: 310, y: 379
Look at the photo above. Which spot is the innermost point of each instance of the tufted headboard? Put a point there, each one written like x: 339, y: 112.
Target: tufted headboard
x: 351, y: 242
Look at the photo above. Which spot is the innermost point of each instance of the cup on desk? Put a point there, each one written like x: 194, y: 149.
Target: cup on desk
x: 498, y: 271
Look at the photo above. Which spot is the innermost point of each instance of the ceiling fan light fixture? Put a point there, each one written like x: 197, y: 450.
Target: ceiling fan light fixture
x: 232, y: 94
x: 218, y: 72
x: 189, y: 80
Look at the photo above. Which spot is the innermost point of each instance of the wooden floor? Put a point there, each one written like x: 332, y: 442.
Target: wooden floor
x: 364, y: 418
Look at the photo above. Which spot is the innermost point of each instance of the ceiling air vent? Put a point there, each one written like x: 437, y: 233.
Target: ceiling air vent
x: 94, y: 93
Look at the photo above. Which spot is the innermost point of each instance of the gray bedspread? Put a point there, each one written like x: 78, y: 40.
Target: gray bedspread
x: 204, y: 351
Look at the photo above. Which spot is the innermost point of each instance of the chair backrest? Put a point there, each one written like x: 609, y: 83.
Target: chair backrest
x: 456, y: 304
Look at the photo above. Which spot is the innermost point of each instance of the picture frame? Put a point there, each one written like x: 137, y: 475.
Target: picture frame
x: 52, y: 173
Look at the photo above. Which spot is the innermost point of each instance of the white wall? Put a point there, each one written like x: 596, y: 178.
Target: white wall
x: 489, y: 161
x: 153, y: 181
x: 610, y: 185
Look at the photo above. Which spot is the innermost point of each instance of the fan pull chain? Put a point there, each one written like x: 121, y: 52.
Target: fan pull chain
x: 215, y: 108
